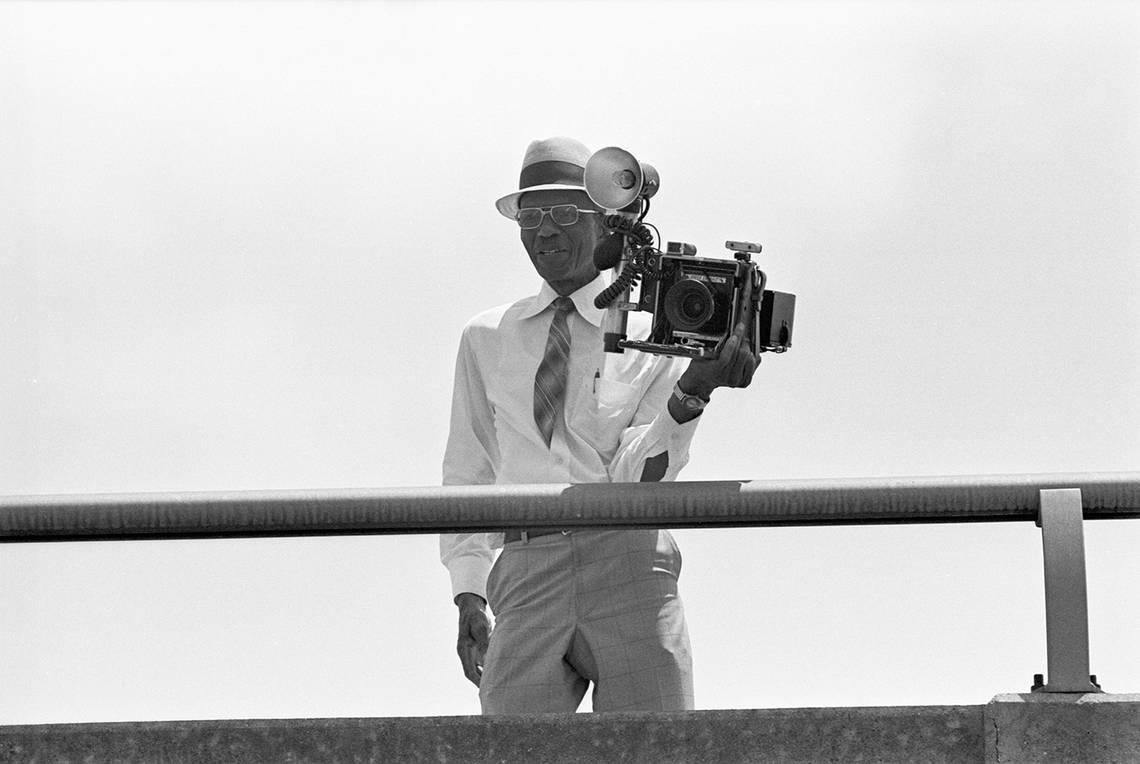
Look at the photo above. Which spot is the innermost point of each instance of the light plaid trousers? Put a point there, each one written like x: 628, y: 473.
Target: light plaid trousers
x: 595, y: 606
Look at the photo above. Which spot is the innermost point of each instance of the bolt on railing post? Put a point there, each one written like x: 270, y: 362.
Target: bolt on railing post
x: 1061, y: 520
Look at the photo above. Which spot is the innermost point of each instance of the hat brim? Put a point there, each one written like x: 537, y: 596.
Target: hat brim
x: 508, y: 206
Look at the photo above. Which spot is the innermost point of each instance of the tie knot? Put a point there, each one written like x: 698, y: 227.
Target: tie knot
x: 563, y: 304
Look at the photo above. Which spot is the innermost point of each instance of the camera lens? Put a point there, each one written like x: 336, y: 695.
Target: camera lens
x: 688, y: 305
x: 692, y: 307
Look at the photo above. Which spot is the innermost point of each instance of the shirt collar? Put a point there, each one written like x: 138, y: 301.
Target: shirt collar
x: 583, y: 300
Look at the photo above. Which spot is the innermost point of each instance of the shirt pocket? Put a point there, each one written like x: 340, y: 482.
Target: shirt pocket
x: 605, y: 409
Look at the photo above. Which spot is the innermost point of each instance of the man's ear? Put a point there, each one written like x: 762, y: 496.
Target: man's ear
x: 599, y: 221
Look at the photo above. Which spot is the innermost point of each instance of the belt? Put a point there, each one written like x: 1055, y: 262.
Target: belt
x: 521, y: 535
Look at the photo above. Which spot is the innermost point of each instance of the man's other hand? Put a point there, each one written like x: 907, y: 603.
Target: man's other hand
x: 734, y: 365
x: 474, y: 633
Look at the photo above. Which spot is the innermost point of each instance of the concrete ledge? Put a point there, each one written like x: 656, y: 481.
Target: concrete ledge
x: 1011, y: 728
x: 1049, y: 727
x: 926, y: 734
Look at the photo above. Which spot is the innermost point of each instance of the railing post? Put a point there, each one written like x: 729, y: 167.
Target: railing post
x: 1061, y: 520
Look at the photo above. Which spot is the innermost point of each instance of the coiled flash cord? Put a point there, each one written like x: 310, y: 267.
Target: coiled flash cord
x: 641, y: 238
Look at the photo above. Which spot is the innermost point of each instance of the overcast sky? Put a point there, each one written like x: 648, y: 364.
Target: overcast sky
x: 238, y: 242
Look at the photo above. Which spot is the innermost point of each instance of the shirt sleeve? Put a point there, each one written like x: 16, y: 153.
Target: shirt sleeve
x: 655, y: 446
x: 471, y: 458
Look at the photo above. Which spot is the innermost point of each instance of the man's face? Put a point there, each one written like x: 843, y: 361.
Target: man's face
x: 563, y: 256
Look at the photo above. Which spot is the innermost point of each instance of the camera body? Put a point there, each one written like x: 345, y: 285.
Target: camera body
x: 697, y: 302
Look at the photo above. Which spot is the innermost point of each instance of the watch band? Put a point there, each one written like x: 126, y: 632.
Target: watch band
x: 689, y: 402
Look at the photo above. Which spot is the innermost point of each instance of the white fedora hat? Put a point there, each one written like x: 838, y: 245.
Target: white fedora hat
x: 549, y: 165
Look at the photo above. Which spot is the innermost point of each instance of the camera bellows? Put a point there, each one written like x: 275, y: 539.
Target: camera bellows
x: 550, y: 379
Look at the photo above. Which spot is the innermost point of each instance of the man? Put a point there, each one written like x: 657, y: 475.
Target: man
x: 537, y: 400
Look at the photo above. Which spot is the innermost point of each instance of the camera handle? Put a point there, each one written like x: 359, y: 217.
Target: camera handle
x: 630, y: 269
x: 758, y: 290
x: 615, y: 299
x: 614, y: 330
x: 743, y: 251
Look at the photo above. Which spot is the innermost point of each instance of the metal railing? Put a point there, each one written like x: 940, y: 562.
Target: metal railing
x: 1057, y: 503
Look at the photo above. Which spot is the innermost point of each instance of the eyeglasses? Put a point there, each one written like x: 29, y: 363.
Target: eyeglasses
x: 561, y: 214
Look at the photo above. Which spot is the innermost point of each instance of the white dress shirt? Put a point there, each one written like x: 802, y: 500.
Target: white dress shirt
x: 616, y: 413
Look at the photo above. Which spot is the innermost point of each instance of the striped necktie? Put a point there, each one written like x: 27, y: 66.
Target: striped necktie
x: 550, y: 380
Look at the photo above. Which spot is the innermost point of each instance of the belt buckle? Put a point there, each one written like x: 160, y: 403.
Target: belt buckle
x: 524, y: 536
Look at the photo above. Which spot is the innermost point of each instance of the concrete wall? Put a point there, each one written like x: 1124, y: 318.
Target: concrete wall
x: 1044, y: 727
x: 1012, y: 728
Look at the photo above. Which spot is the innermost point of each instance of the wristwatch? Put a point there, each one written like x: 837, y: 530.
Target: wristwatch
x: 693, y: 403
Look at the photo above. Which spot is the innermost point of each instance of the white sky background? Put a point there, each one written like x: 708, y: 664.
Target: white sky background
x: 238, y: 243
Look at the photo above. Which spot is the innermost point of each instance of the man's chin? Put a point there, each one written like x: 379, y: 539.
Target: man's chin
x: 553, y: 265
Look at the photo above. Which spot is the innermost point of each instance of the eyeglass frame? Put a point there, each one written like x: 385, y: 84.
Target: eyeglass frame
x: 549, y: 211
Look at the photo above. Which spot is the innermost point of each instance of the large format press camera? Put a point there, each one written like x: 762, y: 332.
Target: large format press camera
x: 696, y: 301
